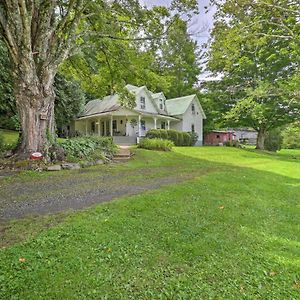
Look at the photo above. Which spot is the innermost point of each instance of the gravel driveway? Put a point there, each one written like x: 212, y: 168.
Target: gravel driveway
x: 77, y: 189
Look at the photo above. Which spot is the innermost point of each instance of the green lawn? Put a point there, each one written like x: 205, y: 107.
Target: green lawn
x: 232, y: 231
x: 10, y: 136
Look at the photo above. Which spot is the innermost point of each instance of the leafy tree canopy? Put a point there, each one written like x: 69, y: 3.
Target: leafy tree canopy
x: 255, y: 47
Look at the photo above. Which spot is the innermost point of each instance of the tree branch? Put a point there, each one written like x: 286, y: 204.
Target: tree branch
x: 8, y: 38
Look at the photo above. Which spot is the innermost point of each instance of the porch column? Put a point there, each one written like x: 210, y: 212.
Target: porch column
x: 99, y: 126
x: 111, y: 125
x: 139, y: 126
x: 154, y: 122
x: 168, y: 124
x: 86, y: 127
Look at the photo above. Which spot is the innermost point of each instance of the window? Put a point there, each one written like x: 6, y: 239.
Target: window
x: 143, y: 125
x: 114, y: 124
x: 218, y: 136
x: 163, y: 125
x: 193, y: 108
x: 143, y: 102
x: 161, y: 105
x: 193, y: 128
x: 121, y: 122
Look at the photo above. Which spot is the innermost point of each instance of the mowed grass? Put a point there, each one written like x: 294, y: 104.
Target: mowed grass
x: 10, y: 136
x: 231, y: 232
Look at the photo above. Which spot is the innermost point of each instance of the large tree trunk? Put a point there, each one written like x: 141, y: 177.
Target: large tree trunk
x: 35, y: 103
x: 39, y: 36
x: 260, y: 142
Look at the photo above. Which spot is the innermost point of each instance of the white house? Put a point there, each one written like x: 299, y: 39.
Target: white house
x: 106, y: 117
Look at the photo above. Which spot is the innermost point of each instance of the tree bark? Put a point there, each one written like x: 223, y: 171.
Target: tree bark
x: 35, y: 103
x: 39, y: 36
x: 260, y: 142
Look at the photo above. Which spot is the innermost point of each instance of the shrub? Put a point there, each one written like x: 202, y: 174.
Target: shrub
x: 163, y: 134
x: 273, y: 140
x: 291, y: 137
x: 84, y: 147
x: 194, y: 138
x: 153, y: 134
x: 180, y: 139
x: 156, y: 144
x: 186, y: 139
x: 232, y: 144
x: 172, y: 135
x: 177, y: 137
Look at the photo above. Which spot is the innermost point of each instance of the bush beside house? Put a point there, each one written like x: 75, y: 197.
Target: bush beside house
x: 179, y: 138
x: 156, y: 144
x: 88, y: 147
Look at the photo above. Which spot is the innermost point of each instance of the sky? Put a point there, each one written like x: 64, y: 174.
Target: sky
x: 200, y: 25
x: 203, y: 20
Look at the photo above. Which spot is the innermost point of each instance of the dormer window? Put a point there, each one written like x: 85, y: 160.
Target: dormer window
x: 161, y: 105
x: 193, y: 108
x: 142, y: 102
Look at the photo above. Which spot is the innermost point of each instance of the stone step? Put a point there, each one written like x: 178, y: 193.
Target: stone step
x: 121, y: 159
x: 122, y: 155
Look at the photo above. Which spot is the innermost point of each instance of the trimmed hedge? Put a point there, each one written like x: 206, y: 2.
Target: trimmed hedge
x: 156, y: 144
x: 179, y: 138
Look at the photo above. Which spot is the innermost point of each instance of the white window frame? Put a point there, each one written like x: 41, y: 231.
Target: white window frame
x: 193, y: 109
x: 142, y: 102
x: 161, y: 104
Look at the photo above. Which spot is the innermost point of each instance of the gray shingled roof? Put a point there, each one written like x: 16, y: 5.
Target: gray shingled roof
x: 108, y: 103
x: 178, y: 106
x: 174, y: 107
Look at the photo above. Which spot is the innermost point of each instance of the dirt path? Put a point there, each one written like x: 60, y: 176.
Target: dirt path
x: 78, y: 189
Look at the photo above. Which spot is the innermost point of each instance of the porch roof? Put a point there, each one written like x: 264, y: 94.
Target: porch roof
x: 98, y: 106
x: 133, y: 113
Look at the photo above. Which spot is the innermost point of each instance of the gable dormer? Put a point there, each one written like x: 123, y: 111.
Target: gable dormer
x: 144, y: 101
x: 160, y: 101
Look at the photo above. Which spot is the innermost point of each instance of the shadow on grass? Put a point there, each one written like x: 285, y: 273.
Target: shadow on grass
x: 228, y: 231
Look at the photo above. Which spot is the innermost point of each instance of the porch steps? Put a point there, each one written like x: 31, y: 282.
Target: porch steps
x: 124, y: 140
x: 122, y: 155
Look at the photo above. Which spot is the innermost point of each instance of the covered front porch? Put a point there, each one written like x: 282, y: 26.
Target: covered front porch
x: 113, y: 124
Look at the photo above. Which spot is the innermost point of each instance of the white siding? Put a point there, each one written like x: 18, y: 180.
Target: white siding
x: 158, y: 102
x: 176, y: 125
x: 149, y: 104
x: 189, y: 118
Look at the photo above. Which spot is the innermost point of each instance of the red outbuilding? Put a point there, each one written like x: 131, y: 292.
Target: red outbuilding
x: 218, y: 137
